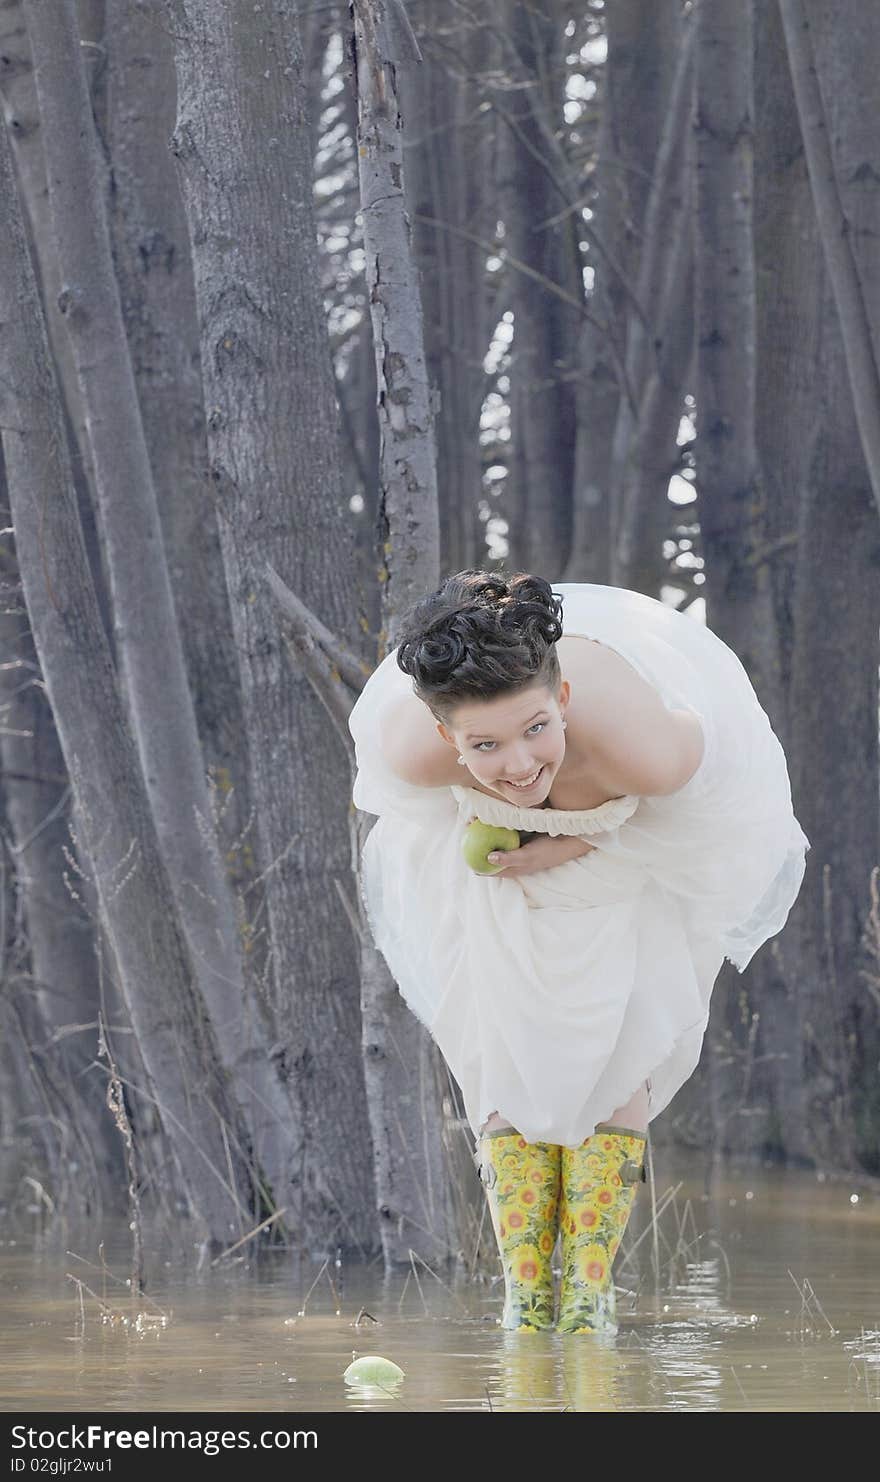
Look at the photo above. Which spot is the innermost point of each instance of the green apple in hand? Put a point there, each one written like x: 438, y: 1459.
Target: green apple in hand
x: 479, y: 841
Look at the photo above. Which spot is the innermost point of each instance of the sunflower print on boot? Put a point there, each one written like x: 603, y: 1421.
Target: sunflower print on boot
x: 522, y: 1190
x: 598, y: 1186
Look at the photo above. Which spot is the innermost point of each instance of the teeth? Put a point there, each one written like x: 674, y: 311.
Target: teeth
x: 528, y: 783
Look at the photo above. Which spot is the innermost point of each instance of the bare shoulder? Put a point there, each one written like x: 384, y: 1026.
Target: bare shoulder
x: 414, y: 748
x: 604, y: 686
x: 621, y: 730
x: 596, y: 672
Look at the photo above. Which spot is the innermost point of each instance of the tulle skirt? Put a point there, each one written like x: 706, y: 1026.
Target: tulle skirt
x: 555, y: 995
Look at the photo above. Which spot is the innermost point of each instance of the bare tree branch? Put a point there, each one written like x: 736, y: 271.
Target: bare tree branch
x: 351, y: 669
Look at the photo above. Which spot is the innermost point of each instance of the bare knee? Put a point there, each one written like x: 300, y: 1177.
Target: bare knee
x: 634, y: 1113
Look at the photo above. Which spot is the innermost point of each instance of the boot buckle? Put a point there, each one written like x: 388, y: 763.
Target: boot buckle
x: 633, y: 1172
x: 487, y: 1172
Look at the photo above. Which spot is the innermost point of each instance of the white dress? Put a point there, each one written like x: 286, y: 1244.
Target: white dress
x: 553, y: 996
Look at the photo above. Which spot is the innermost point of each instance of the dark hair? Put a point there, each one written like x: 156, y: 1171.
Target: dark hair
x: 480, y: 635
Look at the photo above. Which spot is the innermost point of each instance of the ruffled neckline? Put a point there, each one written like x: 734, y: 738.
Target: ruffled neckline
x: 608, y: 815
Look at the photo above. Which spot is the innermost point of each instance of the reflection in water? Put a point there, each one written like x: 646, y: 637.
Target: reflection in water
x: 557, y: 1371
x: 762, y: 1293
x: 526, y: 1377
x: 373, y: 1396
x: 863, y: 1373
x: 686, y: 1373
x: 592, y: 1375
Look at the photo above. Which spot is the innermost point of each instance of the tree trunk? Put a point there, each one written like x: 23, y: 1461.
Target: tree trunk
x: 400, y: 1060
x: 730, y: 506
x: 647, y: 519
x: 788, y: 288
x: 154, y: 272
x: 51, y: 1086
x: 357, y: 393
x: 26, y: 139
x: 834, y: 689
x: 731, y: 502
x: 121, y: 844
x: 441, y: 110
x: 316, y: 23
x: 835, y: 697
x: 634, y: 83
x: 852, y: 287
x: 533, y: 185
x: 407, y: 455
x: 659, y: 330
x: 147, y: 636
x: 273, y: 442
x: 54, y: 942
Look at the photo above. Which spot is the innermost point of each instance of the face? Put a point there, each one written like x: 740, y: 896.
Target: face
x: 509, y: 739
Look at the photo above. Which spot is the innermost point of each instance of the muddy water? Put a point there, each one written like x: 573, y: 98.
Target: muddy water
x: 768, y: 1298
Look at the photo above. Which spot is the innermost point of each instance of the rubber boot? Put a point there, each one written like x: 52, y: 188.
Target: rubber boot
x: 521, y: 1180
x: 598, y: 1186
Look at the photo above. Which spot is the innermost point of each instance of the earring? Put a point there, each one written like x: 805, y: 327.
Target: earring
x: 462, y: 762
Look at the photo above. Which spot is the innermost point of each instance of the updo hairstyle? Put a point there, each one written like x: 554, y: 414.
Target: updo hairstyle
x: 480, y: 635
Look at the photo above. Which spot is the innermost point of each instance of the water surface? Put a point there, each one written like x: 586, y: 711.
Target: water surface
x: 768, y: 1299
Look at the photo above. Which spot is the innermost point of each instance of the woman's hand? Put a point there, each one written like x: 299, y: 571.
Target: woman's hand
x: 541, y: 853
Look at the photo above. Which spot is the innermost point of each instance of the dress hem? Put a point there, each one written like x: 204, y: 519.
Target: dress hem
x: 648, y: 1075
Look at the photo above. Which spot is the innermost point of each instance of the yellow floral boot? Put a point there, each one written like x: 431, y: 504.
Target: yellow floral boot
x: 522, y: 1190
x: 598, y: 1186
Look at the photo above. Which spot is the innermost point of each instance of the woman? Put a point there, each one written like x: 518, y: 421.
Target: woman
x: 569, y: 989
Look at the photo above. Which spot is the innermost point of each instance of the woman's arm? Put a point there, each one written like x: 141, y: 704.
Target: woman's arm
x: 540, y: 852
x: 413, y: 747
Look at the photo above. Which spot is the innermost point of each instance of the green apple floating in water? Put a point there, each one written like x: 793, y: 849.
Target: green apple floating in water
x: 479, y: 841
x: 373, y: 1368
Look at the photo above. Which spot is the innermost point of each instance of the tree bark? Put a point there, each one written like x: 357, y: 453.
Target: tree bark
x: 404, y: 1070
x: 774, y: 1117
x: 635, y: 83
x: 26, y: 139
x: 51, y: 1086
x: 54, y: 944
x: 834, y: 694
x: 407, y: 454
x: 440, y: 103
x: 400, y: 1061
x: 658, y: 344
x: 834, y: 686
x: 356, y: 383
x: 242, y: 147
x: 121, y: 844
x: 731, y: 499
x: 646, y: 518
x: 154, y: 272
x: 730, y: 507
x: 534, y: 189
x: 147, y: 635
x: 850, y: 293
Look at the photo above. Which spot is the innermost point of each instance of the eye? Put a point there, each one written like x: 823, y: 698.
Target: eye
x: 539, y: 725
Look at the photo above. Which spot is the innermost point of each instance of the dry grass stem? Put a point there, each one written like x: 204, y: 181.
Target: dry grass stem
x: 810, y: 1305
x: 249, y: 1236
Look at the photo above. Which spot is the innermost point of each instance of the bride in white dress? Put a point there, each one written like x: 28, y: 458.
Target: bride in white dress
x: 570, y: 990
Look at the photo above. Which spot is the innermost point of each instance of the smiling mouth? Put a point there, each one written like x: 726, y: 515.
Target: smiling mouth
x: 526, y: 786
